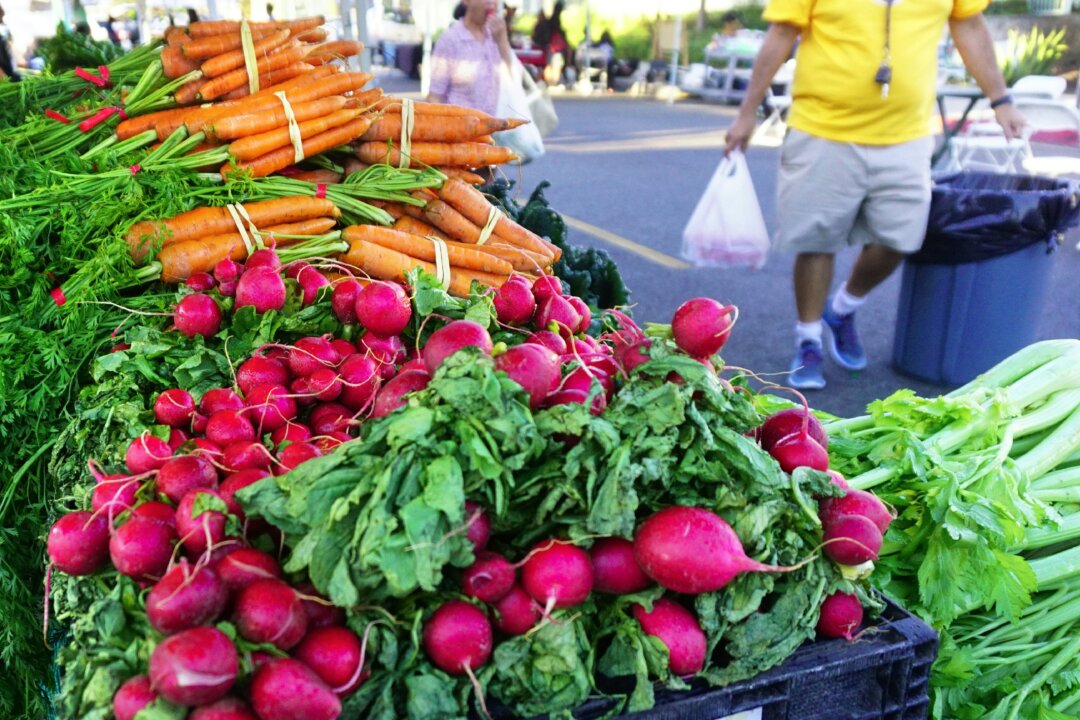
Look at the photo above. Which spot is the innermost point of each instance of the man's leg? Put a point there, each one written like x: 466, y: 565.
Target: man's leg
x: 874, y: 264
x: 813, y: 278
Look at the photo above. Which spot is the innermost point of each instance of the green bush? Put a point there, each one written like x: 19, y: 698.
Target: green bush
x: 1035, y: 53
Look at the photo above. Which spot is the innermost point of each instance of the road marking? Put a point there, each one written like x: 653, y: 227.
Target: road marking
x: 629, y: 245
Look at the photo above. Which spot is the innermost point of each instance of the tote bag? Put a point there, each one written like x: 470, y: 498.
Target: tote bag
x: 525, y: 141
x: 726, y: 229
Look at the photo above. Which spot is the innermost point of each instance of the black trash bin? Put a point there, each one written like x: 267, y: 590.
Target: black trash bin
x: 973, y: 294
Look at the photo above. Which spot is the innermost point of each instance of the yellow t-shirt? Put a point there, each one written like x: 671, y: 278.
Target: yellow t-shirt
x: 841, y: 48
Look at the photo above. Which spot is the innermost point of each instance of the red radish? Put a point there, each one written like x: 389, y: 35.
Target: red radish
x: 334, y: 654
x: 120, y: 347
x: 270, y: 611
x: 184, y: 598
x: 701, y: 326
x: 156, y: 511
x: 194, y: 667
x: 324, y: 384
x: 582, y: 344
x: 227, y: 273
x: 198, y: 423
x: 557, y: 574
x: 516, y: 613
x: 552, y: 341
x: 583, y: 312
x: 359, y: 382
x: 546, y: 286
x: 534, y: 368
x: 229, y: 708
x: 309, y: 354
x: 615, y: 570
x: 246, y: 456
x: 199, y: 530
x: 383, y: 308
x: 270, y: 407
x: 290, y: 432
x: 263, y: 258
x: 558, y: 310
x: 175, y: 408
x: 207, y: 449
x: 295, y: 454
x: 330, y: 417
x: 489, y: 578
x: 114, y: 496
x: 226, y: 427
x: 286, y: 689
x: 479, y: 525
x: 197, y: 314
x: 386, y: 350
x: 852, y: 539
x: 327, y: 442
x: 415, y: 363
x: 220, y: 399
x: 841, y: 615
x: 680, y: 632
x: 392, y: 395
x: 146, y: 453
x: 185, y: 473
x: 691, y: 550
x: 235, y: 482
x: 344, y: 347
x: 261, y: 370
x: 221, y: 550
x: 78, y: 543
x: 631, y: 356
x: 142, y: 547
x: 200, y: 281
x: 260, y: 288
x: 177, y: 438
x: 579, y: 397
x: 311, y: 281
x: 799, y: 450
x: 457, y: 637
x: 838, y: 480
x: 602, y: 363
x: 244, y: 566
x: 320, y: 611
x: 133, y: 696
x: 790, y: 420
x: 583, y: 378
x: 856, y: 502
x: 514, y: 301
x: 343, y: 300
x: 451, y: 338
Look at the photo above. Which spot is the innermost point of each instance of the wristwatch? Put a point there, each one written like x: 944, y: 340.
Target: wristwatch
x: 1005, y: 99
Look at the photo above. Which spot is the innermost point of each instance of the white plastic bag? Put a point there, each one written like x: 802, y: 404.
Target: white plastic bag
x: 525, y: 141
x: 726, y: 229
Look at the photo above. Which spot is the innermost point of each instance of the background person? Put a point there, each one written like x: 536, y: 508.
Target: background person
x: 855, y: 165
x: 465, y: 61
x: 7, y: 64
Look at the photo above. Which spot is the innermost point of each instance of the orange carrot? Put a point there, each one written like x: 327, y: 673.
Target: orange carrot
x: 317, y: 176
x: 175, y: 35
x: 465, y: 154
x: 174, y: 64
x: 223, y: 63
x: 436, y: 128
x: 135, y: 125
x: 336, y: 50
x: 284, y: 157
x: 485, y: 139
x: 186, y: 93
x: 466, y: 176
x: 254, y: 146
x: 385, y: 264
x: 460, y: 255
x: 294, y: 70
x: 393, y: 105
x: 282, y: 56
x: 231, y: 127
x: 521, y: 259
x: 314, y: 35
x: 207, y: 47
x: 474, y: 206
x: 206, y: 28
x: 408, y: 224
x: 451, y: 222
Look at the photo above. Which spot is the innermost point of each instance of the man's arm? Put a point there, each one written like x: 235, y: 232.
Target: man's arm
x: 976, y: 48
x: 775, y: 50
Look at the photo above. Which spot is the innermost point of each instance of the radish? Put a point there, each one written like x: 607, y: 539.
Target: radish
x: 206, y: 449
x: 799, y: 450
x: 197, y: 314
x: 175, y: 408
x: 841, y: 615
x: 270, y: 407
x: 334, y: 654
x: 359, y: 382
x: 309, y: 354
x: 691, y: 550
x: 200, y: 531
x: 261, y: 288
x: 415, y: 363
x: 133, y: 696
x: 479, y: 525
x: 701, y: 326
x: 142, y: 547
x: 185, y: 473
x: 452, y: 337
x: 386, y: 350
x: 489, y: 578
x: 457, y: 638
x: 384, y: 308
x: 185, y: 598
x: 558, y: 310
x: 245, y: 456
x: 790, y: 420
x: 838, y: 480
x: 290, y: 432
x: 630, y: 356
x: 324, y: 384
x: 856, y: 502
x: 200, y: 281
x: 227, y: 272
x: 534, y: 367
x: 329, y: 417
x: 557, y: 574
x: 311, y: 281
x: 680, y: 632
x: 270, y: 611
x: 219, y: 399
x: 615, y: 570
x: 552, y: 341
x: 320, y: 611
x: 516, y: 613
x: 344, y: 347
x: 343, y: 300
x: 264, y: 258
x: 392, y: 395
x: 546, y: 286
x: 514, y: 301
x: 177, y: 438
x: 261, y: 370
x: 146, y: 453
x: 244, y: 566
x: 156, y: 511
x: 295, y: 454
x: 286, y: 689
x: 78, y: 543
x: 583, y: 312
x: 852, y: 539
x: 229, y: 708
x: 579, y: 397
x: 582, y: 378
x: 114, y: 496
x: 194, y: 667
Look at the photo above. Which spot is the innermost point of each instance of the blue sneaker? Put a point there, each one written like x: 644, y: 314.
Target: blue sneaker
x: 843, y: 342
x: 806, y: 367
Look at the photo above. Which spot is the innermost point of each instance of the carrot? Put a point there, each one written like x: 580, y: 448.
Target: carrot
x: 386, y: 264
x: 485, y: 139
x: 175, y: 35
x: 436, y: 128
x: 211, y: 45
x: 412, y: 225
x: 135, y: 125
x: 314, y: 35
x: 174, y: 64
x: 295, y: 70
x: 465, y: 154
x: 393, y: 105
x: 254, y: 146
x: 466, y: 176
x: 186, y: 93
x: 417, y: 246
x: 366, y: 99
x: 336, y: 50
x: 203, y: 221
x: 232, y: 127
x: 223, y: 63
x: 474, y: 206
x: 285, y: 55
x: 317, y: 176
x: 206, y: 28
x: 451, y: 222
x: 284, y: 157
x: 520, y: 259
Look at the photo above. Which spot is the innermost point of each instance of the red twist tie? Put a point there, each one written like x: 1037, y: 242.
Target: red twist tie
x: 103, y: 71
x: 97, y: 118
x: 53, y: 115
x: 123, y: 115
x: 58, y: 296
x: 135, y: 168
x: 90, y: 78
x: 320, y: 191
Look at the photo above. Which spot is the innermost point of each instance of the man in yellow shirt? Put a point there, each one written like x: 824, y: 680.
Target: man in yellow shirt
x: 855, y: 165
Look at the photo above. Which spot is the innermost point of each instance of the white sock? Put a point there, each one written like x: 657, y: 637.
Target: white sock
x: 844, y: 303
x: 808, y: 331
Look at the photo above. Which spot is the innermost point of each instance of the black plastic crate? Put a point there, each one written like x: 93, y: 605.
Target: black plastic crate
x: 884, y: 675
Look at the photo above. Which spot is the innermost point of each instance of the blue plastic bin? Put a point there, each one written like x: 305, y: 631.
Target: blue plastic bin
x: 974, y: 293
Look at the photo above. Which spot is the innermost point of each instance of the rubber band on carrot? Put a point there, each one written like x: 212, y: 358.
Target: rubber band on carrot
x: 294, y: 127
x: 251, y: 63
x: 234, y: 210
x: 408, y: 122
x: 489, y: 226
x: 442, y: 261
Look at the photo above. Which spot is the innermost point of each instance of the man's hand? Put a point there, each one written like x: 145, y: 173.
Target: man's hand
x: 497, y: 27
x: 1010, y: 119
x: 739, y: 134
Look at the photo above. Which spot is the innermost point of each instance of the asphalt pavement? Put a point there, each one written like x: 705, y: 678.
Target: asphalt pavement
x: 627, y: 173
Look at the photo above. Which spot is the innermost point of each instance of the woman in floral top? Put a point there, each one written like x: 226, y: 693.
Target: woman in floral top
x: 465, y: 63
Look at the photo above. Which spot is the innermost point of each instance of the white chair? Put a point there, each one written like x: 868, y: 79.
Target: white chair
x: 771, y: 131
x: 1054, y: 123
x: 1049, y: 87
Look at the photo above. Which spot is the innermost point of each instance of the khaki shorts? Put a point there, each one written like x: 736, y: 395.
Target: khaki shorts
x: 832, y: 194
